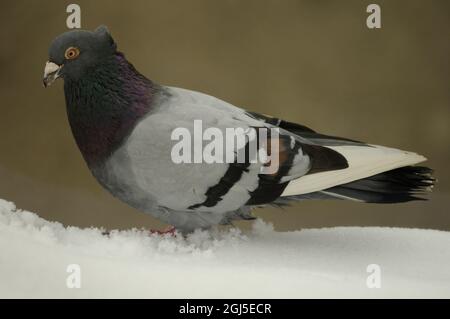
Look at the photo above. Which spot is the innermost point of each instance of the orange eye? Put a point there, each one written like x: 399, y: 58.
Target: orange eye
x: 71, y: 53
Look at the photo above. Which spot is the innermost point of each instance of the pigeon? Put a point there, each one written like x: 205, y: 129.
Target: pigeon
x: 124, y: 123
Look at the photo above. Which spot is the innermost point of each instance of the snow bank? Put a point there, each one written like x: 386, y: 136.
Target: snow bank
x: 35, y: 255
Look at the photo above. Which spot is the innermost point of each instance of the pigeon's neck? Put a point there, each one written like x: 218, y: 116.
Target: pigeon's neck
x: 105, y: 105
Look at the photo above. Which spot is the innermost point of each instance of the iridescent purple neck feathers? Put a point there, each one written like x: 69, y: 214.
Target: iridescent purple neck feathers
x: 105, y: 105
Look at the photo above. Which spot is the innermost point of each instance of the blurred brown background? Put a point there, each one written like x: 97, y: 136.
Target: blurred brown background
x: 314, y: 62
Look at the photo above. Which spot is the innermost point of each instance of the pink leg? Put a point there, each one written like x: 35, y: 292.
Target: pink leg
x: 168, y: 230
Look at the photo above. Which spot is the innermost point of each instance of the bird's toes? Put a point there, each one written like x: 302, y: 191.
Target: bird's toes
x: 169, y: 230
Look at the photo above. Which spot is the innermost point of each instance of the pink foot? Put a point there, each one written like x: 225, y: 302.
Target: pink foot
x: 171, y: 230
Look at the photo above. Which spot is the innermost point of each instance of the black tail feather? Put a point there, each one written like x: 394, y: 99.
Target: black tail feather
x: 395, y: 186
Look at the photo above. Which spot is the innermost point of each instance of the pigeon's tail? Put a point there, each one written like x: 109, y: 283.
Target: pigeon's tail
x: 363, y: 162
x: 395, y: 186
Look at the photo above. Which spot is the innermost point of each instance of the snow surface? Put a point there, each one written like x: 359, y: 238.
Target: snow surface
x: 326, y: 263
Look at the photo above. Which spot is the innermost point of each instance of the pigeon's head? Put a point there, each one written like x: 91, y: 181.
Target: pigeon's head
x: 74, y: 53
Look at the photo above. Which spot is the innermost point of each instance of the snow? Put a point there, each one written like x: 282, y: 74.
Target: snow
x: 328, y: 263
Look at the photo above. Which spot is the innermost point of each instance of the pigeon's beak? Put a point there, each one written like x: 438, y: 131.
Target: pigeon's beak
x: 51, y: 73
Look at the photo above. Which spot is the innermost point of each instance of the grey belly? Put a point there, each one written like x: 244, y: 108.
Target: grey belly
x: 116, y: 176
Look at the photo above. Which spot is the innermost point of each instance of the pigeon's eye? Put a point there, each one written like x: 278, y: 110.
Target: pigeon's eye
x: 71, y: 53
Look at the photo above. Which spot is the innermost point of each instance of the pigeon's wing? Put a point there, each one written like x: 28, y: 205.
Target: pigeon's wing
x: 364, y: 160
x: 306, y: 132
x: 215, y: 187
